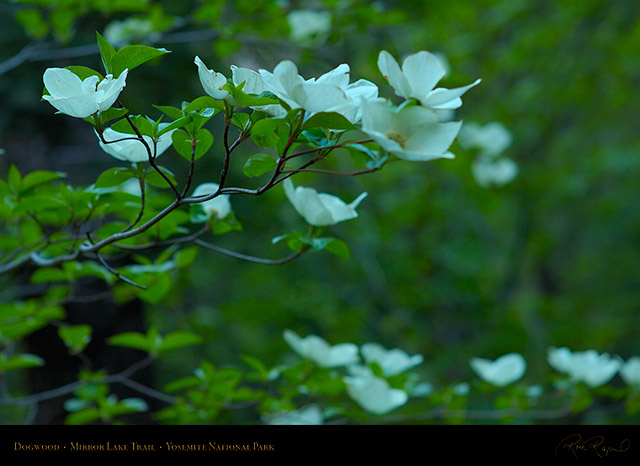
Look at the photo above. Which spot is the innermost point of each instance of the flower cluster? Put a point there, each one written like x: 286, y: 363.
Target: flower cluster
x: 365, y: 385
x: 412, y: 130
x: 588, y: 367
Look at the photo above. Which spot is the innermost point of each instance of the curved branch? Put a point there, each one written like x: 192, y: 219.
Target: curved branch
x: 244, y: 257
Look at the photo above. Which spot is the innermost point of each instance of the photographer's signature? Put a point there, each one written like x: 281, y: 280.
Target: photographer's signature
x: 596, y: 444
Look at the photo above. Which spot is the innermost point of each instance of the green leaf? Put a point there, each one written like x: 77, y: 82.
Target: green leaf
x: 182, y: 143
x: 114, y: 177
x: 316, y: 138
x: 338, y: 247
x: 179, y: 123
x: 293, y: 239
x: 177, y: 340
x: 106, y: 52
x: 75, y: 337
x: 171, y: 112
x: 202, y: 103
x: 111, y: 114
x: 14, y: 178
x: 83, y: 72
x: 39, y: 177
x: 145, y: 125
x: 85, y: 416
x: 263, y: 132
x: 134, y: 340
x: 132, y: 56
x: 154, y: 178
x: 259, y: 164
x: 186, y: 256
x: 38, y: 203
x: 34, y: 23
x: 49, y: 275
x: 20, y: 361
x: 246, y: 100
x: 329, y: 120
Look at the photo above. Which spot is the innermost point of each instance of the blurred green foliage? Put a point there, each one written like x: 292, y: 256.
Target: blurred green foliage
x: 439, y: 265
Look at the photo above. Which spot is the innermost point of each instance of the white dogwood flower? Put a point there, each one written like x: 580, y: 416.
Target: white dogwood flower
x: 129, y: 148
x: 219, y: 206
x: 392, y: 362
x: 81, y: 98
x: 491, y: 139
x: 251, y: 81
x: 630, y: 371
x: 309, y: 416
x: 503, y: 371
x: 314, y: 95
x: 319, y: 351
x: 309, y: 26
x: 490, y: 172
x: 411, y: 133
x: 320, y: 209
x: 418, y: 77
x: 374, y: 394
x: 584, y: 366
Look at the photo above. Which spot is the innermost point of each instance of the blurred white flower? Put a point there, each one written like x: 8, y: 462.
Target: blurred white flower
x: 77, y: 98
x: 422, y: 389
x: 630, y: 371
x: 461, y: 389
x: 411, y: 133
x: 320, y: 209
x: 391, y: 362
x: 319, y: 351
x: 418, y: 77
x: 310, y: 27
x: 374, y: 394
x: 219, y: 206
x: 311, y: 415
x: 490, y: 172
x: 584, y: 366
x: 129, y: 148
x: 534, y: 391
x: 121, y: 33
x: 503, y: 371
x: 491, y: 139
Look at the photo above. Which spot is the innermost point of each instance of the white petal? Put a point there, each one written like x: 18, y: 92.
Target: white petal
x: 210, y: 80
x: 447, y: 98
x: 318, y: 97
x: 80, y: 106
x: 422, y: 71
x: 339, y: 76
x: 62, y: 83
x: 391, y: 71
x: 434, y: 139
x: 252, y: 81
x: 112, y: 90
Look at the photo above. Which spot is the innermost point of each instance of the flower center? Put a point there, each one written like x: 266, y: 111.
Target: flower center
x: 397, y: 137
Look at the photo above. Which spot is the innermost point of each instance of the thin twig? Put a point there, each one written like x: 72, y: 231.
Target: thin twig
x: 112, y: 270
x: 257, y: 260
x: 142, y: 205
